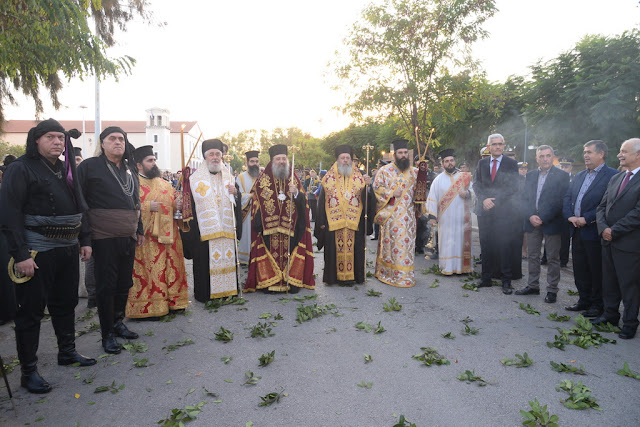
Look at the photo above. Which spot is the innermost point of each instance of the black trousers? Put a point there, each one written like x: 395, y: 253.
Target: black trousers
x: 496, y: 235
x: 313, y: 207
x: 621, y: 282
x: 565, y: 241
x: 587, y: 270
x: 8, y: 305
x: 114, y: 276
x: 54, y: 285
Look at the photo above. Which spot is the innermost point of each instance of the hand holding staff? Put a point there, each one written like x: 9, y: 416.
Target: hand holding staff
x: 227, y: 160
x: 366, y: 210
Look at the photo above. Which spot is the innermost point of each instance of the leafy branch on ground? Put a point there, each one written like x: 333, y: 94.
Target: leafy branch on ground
x: 556, y: 318
x: 135, y: 347
x: 8, y: 367
x: 267, y: 358
x: 627, y: 372
x: 373, y: 293
x: 403, y: 422
x: 470, y: 287
x: 271, y: 398
x: 521, y: 361
x: 538, y: 416
x: 367, y: 358
x: 434, y: 284
x: 91, y: 327
x: 140, y: 363
x: 177, y: 417
x: 261, y: 330
x: 471, y: 377
x: 434, y: 269
x: 561, y: 367
x: 86, y: 316
x: 607, y: 327
x: 214, y: 304
x: 579, y: 395
x: 430, y: 356
x: 584, y: 337
x: 468, y: 330
x: 368, y: 328
x: 365, y: 384
x: 226, y: 359
x: 529, y: 309
x: 467, y: 320
x: 223, y: 335
x: 181, y: 343
x: 250, y: 379
x: 448, y: 335
x: 113, y: 388
x: 308, y: 312
x: 572, y: 293
x: 392, y: 305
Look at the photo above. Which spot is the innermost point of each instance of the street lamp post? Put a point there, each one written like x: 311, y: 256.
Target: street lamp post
x: 84, y: 145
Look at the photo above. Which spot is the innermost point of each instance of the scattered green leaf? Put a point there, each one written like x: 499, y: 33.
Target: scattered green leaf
x: 430, y: 356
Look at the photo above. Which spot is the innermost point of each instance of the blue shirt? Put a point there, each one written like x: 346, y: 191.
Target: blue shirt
x: 588, y: 180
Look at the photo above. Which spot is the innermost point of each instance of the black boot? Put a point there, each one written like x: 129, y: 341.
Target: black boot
x: 65, y: 329
x: 121, y: 330
x: 105, y: 313
x: 27, y: 345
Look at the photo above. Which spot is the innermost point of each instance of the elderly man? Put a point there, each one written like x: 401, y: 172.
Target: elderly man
x: 340, y: 227
x: 245, y: 183
x: 618, y: 219
x: 545, y: 188
x: 111, y: 189
x: 394, y: 187
x: 579, y: 209
x: 159, y: 277
x: 41, y: 217
x: 215, y: 200
x: 449, y: 206
x: 281, y: 249
x: 495, y: 185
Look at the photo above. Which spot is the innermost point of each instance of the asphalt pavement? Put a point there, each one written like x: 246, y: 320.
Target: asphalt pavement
x: 319, y: 367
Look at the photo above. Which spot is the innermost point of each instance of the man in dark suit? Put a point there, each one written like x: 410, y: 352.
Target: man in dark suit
x: 579, y: 209
x: 544, y: 189
x: 495, y: 184
x: 618, y: 219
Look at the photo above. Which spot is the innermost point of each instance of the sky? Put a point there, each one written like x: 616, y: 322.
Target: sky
x: 252, y: 64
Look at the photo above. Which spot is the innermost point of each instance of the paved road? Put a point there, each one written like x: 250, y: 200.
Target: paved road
x: 320, y: 363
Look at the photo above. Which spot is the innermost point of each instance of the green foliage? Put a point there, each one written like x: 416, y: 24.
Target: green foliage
x: 92, y: 327
x: 215, y: 304
x: 140, y: 363
x: 368, y: 328
x: 181, y: 343
x: 261, y: 330
x: 267, y: 358
x: 226, y: 359
x: 579, y: 395
x: 113, y: 388
x: 607, y: 327
x: 434, y: 284
x: 448, y: 335
x: 468, y: 330
x: 521, y: 361
x: 470, y: 287
x: 365, y: 384
x: 306, y: 313
x: 572, y: 293
x: 529, y: 309
x: 367, y: 358
x: 250, y: 379
x: 177, y: 417
x: 471, y: 377
x: 430, y: 356
x: 392, y: 305
x: 467, y: 320
x: 627, y: 372
x: 271, y: 398
x: 223, y: 335
x: 434, y: 269
x: 584, y: 337
x: 11, y: 364
x: 561, y: 367
x: 403, y: 422
x: 373, y: 293
x: 135, y: 347
x: 556, y: 318
x: 538, y: 416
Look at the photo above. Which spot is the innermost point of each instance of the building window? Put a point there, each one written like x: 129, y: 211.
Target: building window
x: 156, y: 154
x: 159, y: 120
x: 155, y: 138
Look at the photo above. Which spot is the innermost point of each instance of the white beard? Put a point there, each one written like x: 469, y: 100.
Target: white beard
x: 345, y: 170
x: 281, y: 172
x: 214, y: 167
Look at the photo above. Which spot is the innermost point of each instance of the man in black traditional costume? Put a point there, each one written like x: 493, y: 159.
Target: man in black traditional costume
x: 41, y: 217
x: 111, y: 189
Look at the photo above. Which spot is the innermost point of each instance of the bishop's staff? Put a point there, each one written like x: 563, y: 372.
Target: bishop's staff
x: 366, y: 210
x: 227, y: 158
x: 292, y: 182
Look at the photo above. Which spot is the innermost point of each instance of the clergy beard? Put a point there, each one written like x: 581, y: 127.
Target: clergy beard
x: 281, y: 172
x: 214, y: 167
x: 450, y: 171
x: 151, y: 173
x: 345, y: 170
x: 402, y: 164
x: 254, y: 171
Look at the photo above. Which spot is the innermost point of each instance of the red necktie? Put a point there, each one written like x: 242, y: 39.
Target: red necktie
x: 494, y: 169
x: 625, y: 181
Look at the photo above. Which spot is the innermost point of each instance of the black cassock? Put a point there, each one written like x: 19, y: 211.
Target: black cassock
x: 198, y: 250
x: 327, y: 239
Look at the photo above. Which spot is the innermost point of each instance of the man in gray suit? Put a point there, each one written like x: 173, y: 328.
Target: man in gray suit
x: 618, y: 219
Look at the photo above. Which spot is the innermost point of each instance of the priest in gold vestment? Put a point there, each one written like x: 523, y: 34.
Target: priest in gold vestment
x: 159, y: 277
x: 394, y: 186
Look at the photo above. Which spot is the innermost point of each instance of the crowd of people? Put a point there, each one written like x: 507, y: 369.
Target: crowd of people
x: 125, y: 218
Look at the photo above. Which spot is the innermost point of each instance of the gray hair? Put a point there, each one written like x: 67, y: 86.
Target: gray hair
x: 599, y: 146
x: 635, y: 143
x: 544, y: 147
x: 494, y: 136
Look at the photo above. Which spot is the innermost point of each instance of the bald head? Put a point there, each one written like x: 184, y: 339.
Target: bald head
x: 629, y: 155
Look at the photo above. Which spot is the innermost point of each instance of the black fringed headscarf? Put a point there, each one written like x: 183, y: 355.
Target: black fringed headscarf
x: 70, y: 175
x: 128, y: 156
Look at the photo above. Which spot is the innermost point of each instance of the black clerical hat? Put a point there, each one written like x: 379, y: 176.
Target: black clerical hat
x: 341, y: 149
x: 447, y: 153
x: 211, y: 144
x: 277, y: 149
x: 251, y: 154
x: 399, y: 144
x: 142, y: 153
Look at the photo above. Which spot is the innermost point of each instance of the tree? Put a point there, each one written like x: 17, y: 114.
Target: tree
x: 397, y: 53
x: 43, y: 41
x: 6, y: 148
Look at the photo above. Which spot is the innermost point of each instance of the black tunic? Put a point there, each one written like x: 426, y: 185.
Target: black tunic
x: 327, y: 239
x: 198, y: 250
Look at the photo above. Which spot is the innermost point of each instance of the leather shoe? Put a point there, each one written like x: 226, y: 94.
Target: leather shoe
x: 110, y: 344
x: 506, y: 288
x: 551, y: 297
x: 34, y: 383
x: 577, y: 307
x: 75, y: 357
x: 627, y: 333
x: 484, y: 284
x: 122, y: 331
x: 592, y: 312
x: 528, y: 291
x: 603, y: 321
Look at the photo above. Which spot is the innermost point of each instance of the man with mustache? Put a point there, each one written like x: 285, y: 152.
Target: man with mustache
x: 210, y: 240
x: 340, y: 227
x: 245, y: 183
x: 281, y: 250
x: 394, y: 188
x: 159, y: 277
